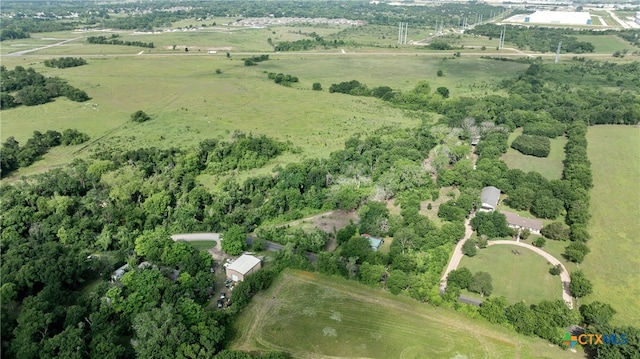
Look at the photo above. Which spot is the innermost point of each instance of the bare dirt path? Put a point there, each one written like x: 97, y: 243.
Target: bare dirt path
x: 564, y: 276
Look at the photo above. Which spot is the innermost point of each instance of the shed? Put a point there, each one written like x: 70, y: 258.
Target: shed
x: 117, y: 275
x: 517, y: 222
x: 374, y: 242
x: 489, y: 197
x: 242, y: 267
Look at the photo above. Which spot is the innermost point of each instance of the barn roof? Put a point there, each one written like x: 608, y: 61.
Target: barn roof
x: 244, y: 264
x: 490, y: 196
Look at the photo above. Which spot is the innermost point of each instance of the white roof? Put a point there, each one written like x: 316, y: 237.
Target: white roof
x: 244, y: 264
x: 560, y: 17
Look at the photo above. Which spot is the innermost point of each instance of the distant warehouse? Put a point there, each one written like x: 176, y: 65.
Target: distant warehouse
x: 559, y: 18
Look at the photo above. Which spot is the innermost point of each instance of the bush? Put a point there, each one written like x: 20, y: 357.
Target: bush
x: 140, y: 116
x: 540, y: 242
x: 556, y: 270
x: 532, y: 145
x: 469, y: 248
x: 551, y: 129
x: 317, y: 86
x: 72, y: 137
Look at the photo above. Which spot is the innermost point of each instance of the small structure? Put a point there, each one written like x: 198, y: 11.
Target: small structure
x: 117, y: 275
x: 489, y: 197
x: 517, y: 222
x: 475, y: 141
x: 374, y: 242
x: 242, y: 267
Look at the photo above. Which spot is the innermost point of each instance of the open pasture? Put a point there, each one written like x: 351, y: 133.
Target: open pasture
x: 550, y: 167
x: 518, y: 277
x: 613, y: 266
x: 605, y: 43
x: 313, y: 316
x: 189, y: 102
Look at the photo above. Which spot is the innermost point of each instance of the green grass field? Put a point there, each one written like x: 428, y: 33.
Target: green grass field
x: 203, y: 245
x: 313, y: 316
x: 189, y: 102
x: 605, y: 43
x: 550, y: 167
x: 614, y: 262
x: 523, y: 277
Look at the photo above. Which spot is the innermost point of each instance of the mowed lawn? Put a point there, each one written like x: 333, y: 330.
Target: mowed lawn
x: 550, y: 167
x: 313, y: 316
x: 524, y: 277
x: 614, y: 262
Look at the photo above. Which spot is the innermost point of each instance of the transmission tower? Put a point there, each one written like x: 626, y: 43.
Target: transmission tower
x: 558, y: 52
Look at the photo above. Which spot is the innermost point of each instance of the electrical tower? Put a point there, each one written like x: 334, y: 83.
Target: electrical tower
x: 558, y: 52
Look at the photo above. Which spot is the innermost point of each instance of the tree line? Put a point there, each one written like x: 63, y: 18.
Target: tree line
x: 114, y: 40
x: 64, y: 62
x: 252, y: 61
x: 282, y: 79
x: 15, y: 156
x: 29, y: 88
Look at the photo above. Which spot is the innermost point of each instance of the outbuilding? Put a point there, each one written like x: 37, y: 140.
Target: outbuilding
x: 489, y: 197
x: 374, y: 242
x: 242, y: 267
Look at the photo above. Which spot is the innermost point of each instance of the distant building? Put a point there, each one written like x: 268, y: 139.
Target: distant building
x: 489, y: 197
x: 242, y: 267
x: 559, y: 18
x: 374, y: 242
x: 517, y: 222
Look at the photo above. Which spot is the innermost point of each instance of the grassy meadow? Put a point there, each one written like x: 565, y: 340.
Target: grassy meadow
x: 523, y: 277
x: 314, y: 316
x: 613, y: 265
x: 550, y: 167
x: 189, y: 102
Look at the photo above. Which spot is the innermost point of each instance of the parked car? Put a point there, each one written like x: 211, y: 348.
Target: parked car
x: 220, y: 303
x: 223, y: 295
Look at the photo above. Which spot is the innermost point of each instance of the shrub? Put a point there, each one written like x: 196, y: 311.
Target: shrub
x: 556, y: 270
x: 532, y: 145
x: 540, y: 242
x: 317, y: 86
x: 139, y: 116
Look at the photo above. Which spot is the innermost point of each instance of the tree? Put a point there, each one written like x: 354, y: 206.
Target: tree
x: 440, y: 73
x: 346, y: 233
x: 493, y: 309
x: 576, y: 251
x: 460, y: 277
x: 140, y: 116
x: 371, y: 274
x: 580, y: 286
x: 443, y: 91
x: 218, y: 71
x: 316, y: 86
x: 597, y: 313
x: 356, y: 247
x: 234, y: 240
x: 397, y: 281
x: 469, y: 248
x: 258, y: 244
x: 539, y: 242
x: 555, y: 231
x: 556, y: 270
x: 481, y: 284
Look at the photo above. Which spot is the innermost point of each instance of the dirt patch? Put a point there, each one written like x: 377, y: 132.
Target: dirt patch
x: 336, y: 220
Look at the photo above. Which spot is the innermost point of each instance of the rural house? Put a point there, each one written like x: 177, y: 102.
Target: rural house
x: 242, y: 267
x: 374, y: 242
x: 517, y: 222
x: 489, y: 197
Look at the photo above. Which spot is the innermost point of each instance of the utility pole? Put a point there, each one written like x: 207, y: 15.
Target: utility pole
x: 558, y: 52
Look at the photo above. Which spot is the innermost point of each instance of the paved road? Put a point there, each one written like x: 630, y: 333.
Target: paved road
x: 457, y: 253
x: 564, y: 276
x: 616, y: 18
x: 24, y: 52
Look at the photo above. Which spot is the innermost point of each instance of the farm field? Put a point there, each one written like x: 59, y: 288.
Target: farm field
x: 550, y: 167
x: 524, y: 277
x: 314, y: 316
x: 189, y: 102
x: 613, y: 265
x: 605, y: 43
